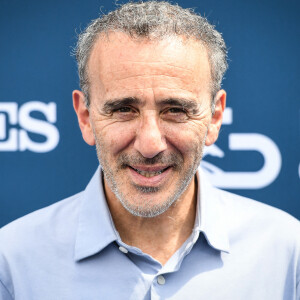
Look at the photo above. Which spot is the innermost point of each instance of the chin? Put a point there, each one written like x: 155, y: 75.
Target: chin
x: 147, y: 205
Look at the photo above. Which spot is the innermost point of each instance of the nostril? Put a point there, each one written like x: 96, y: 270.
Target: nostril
x: 149, y: 148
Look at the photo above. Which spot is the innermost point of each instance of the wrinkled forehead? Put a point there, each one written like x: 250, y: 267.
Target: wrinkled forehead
x: 118, y: 57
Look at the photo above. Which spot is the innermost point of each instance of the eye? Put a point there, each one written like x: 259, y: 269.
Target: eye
x: 176, y: 110
x: 124, y: 110
x: 124, y: 113
x: 175, y: 114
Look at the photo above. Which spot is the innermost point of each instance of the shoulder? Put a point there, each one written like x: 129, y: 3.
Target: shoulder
x: 31, y: 242
x: 249, y: 217
x: 52, y: 221
x: 274, y: 233
x: 251, y: 210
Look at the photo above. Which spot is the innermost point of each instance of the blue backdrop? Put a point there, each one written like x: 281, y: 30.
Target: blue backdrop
x: 42, y: 156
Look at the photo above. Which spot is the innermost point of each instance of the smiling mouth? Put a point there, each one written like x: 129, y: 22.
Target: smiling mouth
x: 149, y: 174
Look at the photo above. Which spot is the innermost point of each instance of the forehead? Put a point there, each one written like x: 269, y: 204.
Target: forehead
x: 118, y: 61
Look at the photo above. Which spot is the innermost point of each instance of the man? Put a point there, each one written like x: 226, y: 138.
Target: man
x: 148, y: 225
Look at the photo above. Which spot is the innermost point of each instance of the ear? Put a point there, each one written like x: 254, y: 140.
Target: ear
x: 216, y: 120
x: 83, y: 116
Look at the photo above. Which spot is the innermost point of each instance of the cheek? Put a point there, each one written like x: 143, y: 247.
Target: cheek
x: 187, y: 138
x: 116, y: 138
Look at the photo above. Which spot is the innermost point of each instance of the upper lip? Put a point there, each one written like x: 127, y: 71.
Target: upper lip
x: 149, y: 168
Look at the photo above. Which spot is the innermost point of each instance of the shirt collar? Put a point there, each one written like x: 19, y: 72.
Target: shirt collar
x: 95, y: 226
x: 96, y: 229
x: 210, y: 217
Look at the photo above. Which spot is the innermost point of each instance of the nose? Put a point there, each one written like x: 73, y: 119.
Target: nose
x: 149, y: 139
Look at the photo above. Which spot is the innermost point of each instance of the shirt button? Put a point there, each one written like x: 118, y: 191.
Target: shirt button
x: 161, y: 280
x: 122, y: 249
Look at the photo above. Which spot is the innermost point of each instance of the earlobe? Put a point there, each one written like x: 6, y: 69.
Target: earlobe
x: 216, y: 120
x: 83, y: 116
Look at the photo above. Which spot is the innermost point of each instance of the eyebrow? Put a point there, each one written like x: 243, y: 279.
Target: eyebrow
x: 117, y: 103
x: 113, y: 104
x: 189, y: 104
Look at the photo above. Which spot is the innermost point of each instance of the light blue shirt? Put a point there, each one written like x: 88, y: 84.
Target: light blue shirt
x: 239, y: 249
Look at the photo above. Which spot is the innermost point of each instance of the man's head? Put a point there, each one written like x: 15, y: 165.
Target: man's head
x: 149, y: 86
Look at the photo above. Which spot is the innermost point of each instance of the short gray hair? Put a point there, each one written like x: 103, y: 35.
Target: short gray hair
x: 154, y: 20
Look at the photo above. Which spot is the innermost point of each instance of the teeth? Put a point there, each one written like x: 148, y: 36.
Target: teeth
x: 149, y: 173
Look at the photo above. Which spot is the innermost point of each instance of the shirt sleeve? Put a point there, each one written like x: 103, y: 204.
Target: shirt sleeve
x: 4, y: 294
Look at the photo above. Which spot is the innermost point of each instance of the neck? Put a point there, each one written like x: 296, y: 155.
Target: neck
x: 160, y: 236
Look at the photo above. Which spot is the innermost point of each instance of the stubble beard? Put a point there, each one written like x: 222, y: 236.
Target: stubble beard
x: 137, y: 205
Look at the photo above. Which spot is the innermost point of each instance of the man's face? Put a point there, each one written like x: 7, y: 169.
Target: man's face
x: 149, y: 117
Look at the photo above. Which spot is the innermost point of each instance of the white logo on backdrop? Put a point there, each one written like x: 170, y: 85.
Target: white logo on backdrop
x: 18, y: 139
x: 244, y: 142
